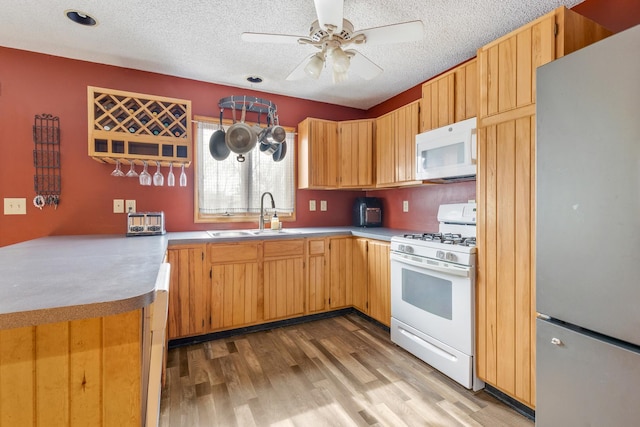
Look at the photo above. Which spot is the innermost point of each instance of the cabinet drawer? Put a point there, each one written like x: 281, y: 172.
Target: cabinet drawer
x: 280, y: 248
x: 316, y: 247
x: 233, y: 252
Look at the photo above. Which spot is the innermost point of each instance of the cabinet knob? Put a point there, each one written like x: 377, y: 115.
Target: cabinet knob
x: 556, y: 341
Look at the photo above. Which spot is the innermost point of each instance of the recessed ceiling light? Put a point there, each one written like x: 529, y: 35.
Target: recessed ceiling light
x: 81, y: 18
x: 254, y: 79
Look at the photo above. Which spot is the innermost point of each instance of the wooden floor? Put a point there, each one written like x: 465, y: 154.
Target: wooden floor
x: 342, y: 371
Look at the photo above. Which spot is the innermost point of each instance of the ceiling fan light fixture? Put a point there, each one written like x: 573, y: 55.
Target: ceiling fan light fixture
x: 340, y: 60
x: 339, y: 76
x: 314, y: 66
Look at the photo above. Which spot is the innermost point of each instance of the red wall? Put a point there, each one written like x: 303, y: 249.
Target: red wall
x: 33, y: 84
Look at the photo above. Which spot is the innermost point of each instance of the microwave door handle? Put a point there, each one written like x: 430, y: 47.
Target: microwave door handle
x: 474, y: 144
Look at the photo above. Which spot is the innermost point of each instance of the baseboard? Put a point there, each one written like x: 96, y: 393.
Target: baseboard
x: 517, y: 406
x: 181, y: 342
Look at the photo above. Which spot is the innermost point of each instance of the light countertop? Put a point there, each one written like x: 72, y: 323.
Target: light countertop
x: 62, y: 278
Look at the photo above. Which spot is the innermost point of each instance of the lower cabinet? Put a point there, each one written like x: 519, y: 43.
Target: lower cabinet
x: 283, y: 278
x: 219, y: 286
x: 233, y: 271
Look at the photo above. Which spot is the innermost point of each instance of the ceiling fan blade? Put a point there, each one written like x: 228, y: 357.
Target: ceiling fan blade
x: 271, y: 38
x: 362, y: 66
x: 395, y: 33
x: 298, y: 73
x: 330, y: 12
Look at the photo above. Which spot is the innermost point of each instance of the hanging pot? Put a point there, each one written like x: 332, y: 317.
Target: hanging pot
x: 240, y: 138
x: 217, y: 144
x: 280, y: 152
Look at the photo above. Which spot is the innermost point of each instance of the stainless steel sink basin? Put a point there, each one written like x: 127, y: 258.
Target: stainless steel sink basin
x: 246, y: 233
x: 230, y: 233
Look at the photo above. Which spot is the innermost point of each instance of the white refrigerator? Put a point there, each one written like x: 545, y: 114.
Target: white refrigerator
x: 588, y: 236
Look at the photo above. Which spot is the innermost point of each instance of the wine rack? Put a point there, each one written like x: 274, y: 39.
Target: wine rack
x: 134, y: 127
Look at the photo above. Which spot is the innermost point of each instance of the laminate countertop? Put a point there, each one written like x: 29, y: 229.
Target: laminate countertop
x: 61, y: 278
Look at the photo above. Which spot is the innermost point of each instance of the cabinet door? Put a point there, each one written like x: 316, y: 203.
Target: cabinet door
x: 188, y: 295
x: 379, y: 275
x: 318, y: 156
x: 507, y: 66
x: 505, y: 282
x: 385, y: 149
x: 438, y: 102
x: 234, y: 284
x: 360, y: 273
x: 356, y: 153
x: 317, y: 283
x: 340, y: 292
x: 405, y: 136
x: 283, y: 278
x: 466, y: 91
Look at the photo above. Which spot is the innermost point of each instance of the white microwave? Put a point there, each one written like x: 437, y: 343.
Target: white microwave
x: 447, y: 154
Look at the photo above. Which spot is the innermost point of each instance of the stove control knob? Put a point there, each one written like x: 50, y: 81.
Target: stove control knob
x: 401, y: 247
x: 450, y: 256
x: 408, y: 249
x: 440, y: 254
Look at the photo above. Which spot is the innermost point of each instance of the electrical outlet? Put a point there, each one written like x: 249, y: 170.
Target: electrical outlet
x: 405, y: 206
x: 118, y: 206
x: 323, y: 205
x: 312, y: 205
x: 130, y: 206
x: 13, y: 206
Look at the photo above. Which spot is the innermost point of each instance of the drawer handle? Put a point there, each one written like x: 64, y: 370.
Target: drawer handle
x: 556, y: 341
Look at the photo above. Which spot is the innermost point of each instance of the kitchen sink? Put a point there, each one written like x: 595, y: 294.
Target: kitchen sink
x: 246, y: 233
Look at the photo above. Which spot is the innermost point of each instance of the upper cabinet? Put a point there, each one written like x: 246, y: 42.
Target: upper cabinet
x: 395, y: 145
x: 335, y: 154
x: 317, y: 153
x: 355, y: 153
x: 450, y: 98
x: 507, y: 66
x: 130, y: 126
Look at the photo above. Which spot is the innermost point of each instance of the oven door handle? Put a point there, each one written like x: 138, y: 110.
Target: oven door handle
x: 455, y: 270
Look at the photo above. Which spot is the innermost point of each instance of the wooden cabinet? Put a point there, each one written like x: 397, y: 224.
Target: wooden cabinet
x: 188, y: 294
x: 450, y: 98
x: 341, y: 273
x: 360, y: 281
x: 283, y: 278
x: 379, y: 279
x: 235, y: 284
x: 395, y: 146
x: 505, y: 312
x: 355, y: 154
x: 317, y: 154
x: 129, y: 126
x: 317, y: 277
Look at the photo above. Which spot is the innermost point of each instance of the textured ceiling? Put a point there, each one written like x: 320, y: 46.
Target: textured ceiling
x: 200, y: 39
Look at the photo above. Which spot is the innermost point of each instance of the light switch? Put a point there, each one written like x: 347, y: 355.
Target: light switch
x: 323, y: 205
x: 13, y: 206
x: 118, y: 206
x: 312, y: 205
x: 405, y: 206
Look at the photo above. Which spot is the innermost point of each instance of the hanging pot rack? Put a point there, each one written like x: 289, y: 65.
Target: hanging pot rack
x: 251, y: 104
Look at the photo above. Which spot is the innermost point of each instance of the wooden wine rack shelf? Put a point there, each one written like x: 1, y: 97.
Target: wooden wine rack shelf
x: 134, y: 127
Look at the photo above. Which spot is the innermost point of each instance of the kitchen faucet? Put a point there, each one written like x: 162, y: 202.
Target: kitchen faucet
x: 273, y: 205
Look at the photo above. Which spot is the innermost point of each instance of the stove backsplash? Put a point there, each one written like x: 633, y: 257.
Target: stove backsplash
x: 423, y: 204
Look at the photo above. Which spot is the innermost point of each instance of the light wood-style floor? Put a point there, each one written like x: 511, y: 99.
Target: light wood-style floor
x: 342, y: 371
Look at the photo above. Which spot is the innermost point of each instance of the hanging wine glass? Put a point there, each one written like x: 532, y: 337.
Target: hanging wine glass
x: 183, y: 177
x: 117, y: 171
x: 145, y: 176
x: 158, y: 179
x: 132, y: 171
x: 171, y: 179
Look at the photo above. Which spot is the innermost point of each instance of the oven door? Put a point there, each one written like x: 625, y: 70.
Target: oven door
x: 434, y: 297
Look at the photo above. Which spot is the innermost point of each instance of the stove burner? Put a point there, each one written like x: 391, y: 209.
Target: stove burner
x: 446, y: 238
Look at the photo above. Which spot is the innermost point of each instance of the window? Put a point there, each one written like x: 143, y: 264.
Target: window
x: 229, y: 190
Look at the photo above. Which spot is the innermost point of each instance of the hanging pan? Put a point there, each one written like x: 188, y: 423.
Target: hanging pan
x: 240, y: 138
x: 217, y: 144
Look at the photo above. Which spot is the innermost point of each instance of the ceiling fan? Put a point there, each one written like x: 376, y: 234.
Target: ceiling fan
x: 331, y: 34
